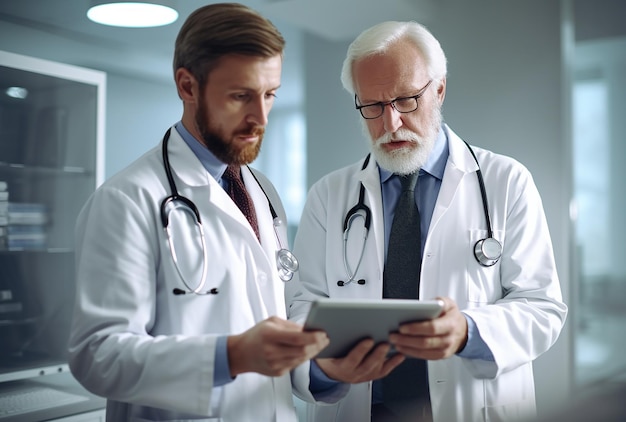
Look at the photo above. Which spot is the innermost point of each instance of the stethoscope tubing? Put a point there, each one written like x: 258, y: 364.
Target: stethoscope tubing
x: 487, y: 251
x: 352, y: 275
x: 187, y: 206
x: 351, y: 215
x: 287, y: 263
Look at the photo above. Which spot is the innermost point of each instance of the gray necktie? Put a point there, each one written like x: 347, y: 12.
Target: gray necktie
x: 404, y: 261
x: 405, y: 389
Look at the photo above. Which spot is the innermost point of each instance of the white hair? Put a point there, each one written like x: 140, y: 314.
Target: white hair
x: 377, y: 39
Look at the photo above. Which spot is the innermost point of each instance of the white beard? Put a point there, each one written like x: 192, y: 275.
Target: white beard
x: 409, y: 159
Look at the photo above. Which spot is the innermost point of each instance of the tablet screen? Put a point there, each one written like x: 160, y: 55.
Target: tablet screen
x: 348, y: 321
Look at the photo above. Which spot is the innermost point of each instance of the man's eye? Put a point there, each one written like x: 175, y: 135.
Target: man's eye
x: 405, y: 102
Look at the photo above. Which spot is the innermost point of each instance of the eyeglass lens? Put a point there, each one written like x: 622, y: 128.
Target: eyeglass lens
x: 402, y: 105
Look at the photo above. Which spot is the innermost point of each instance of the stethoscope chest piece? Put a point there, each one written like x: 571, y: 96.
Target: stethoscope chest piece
x: 287, y: 264
x: 488, y: 251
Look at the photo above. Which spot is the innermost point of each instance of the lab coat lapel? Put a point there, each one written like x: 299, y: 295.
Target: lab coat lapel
x: 184, y: 163
x: 460, y: 162
x: 188, y: 169
x: 270, y: 289
x: 192, y: 174
x: 370, y: 178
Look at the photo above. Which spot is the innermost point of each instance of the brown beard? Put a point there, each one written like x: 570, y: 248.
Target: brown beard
x: 226, y: 151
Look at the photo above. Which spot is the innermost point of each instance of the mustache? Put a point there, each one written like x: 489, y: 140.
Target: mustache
x: 250, y: 131
x: 400, y: 135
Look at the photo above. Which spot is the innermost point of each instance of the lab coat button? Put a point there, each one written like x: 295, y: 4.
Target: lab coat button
x: 262, y: 279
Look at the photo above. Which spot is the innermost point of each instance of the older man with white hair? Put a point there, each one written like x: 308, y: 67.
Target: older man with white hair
x: 475, y: 237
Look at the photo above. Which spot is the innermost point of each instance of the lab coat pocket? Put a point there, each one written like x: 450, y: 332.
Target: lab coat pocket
x: 511, y: 396
x: 483, y: 283
x: 520, y: 411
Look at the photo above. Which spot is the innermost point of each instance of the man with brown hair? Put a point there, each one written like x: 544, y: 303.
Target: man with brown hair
x: 180, y: 309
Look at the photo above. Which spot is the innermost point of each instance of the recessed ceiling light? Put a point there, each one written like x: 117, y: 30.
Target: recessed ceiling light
x: 17, y: 92
x: 132, y: 14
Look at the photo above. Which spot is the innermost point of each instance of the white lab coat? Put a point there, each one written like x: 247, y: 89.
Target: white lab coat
x: 148, y: 351
x: 516, y: 304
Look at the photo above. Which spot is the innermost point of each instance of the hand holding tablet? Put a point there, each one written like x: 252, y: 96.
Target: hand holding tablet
x: 348, y: 321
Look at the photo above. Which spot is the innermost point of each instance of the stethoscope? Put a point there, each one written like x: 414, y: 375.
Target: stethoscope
x: 363, y: 211
x: 487, y: 251
x: 286, y: 262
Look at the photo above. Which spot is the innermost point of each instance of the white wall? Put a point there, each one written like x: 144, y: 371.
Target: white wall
x: 333, y: 130
x: 505, y: 93
x: 138, y: 114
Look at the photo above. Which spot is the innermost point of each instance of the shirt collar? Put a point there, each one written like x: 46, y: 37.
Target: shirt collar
x: 209, y: 161
x: 435, y: 164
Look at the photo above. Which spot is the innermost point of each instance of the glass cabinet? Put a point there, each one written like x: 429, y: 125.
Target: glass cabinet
x: 51, y: 160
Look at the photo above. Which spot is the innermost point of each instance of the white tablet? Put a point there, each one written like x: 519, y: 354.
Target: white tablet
x: 348, y: 321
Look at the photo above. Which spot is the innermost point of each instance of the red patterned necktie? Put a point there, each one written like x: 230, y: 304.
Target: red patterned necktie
x: 237, y: 191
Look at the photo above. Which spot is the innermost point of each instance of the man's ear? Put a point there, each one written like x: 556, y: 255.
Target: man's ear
x: 186, y: 85
x: 441, y: 90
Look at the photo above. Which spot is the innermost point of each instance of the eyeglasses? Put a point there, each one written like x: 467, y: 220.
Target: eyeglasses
x: 401, y: 105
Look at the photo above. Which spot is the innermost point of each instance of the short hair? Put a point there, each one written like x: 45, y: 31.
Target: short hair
x: 378, y: 39
x: 216, y: 30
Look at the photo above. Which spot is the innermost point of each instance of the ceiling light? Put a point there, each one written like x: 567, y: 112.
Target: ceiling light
x: 132, y: 14
x: 17, y: 92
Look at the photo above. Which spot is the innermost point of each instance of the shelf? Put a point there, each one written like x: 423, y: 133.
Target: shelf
x: 51, y: 145
x: 29, y: 365
x: 89, y: 408
x: 13, y: 322
x: 67, y: 170
x: 42, y: 250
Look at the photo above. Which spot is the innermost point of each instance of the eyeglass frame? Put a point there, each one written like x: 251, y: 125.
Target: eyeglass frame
x: 392, y: 103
